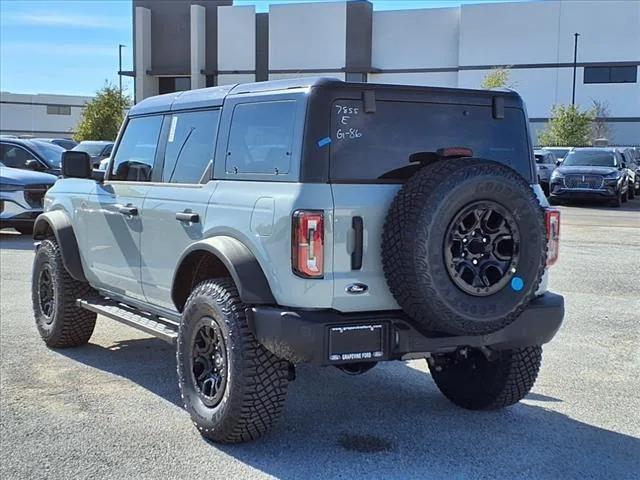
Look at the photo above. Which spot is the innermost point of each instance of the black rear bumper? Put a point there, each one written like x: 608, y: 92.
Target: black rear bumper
x: 304, y: 336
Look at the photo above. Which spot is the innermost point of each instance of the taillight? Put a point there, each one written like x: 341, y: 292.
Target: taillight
x: 307, y: 245
x: 552, y: 222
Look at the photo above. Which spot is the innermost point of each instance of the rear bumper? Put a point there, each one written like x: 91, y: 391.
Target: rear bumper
x: 304, y: 336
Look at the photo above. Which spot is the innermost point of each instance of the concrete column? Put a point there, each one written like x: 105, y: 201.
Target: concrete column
x: 198, y: 46
x: 146, y: 85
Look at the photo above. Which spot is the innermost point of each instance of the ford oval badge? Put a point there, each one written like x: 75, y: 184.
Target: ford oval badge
x: 356, y: 288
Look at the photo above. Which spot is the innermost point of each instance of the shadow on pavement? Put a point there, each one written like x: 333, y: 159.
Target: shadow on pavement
x: 11, y: 240
x: 392, y: 422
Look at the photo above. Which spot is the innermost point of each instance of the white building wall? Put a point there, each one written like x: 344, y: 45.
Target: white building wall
x: 307, y: 36
x: 427, y: 79
x: 22, y: 114
x: 236, y: 39
x: 407, y: 39
x: 509, y: 33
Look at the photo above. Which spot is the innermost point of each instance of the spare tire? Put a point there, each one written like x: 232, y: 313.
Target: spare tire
x: 464, y: 246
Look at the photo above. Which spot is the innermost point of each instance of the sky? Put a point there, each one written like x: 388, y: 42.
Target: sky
x: 71, y: 47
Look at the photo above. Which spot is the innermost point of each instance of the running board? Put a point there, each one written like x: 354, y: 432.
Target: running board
x: 161, y: 328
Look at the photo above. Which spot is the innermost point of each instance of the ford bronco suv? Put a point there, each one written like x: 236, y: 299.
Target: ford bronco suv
x: 266, y: 225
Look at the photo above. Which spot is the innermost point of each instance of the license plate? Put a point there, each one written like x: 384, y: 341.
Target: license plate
x: 356, y: 342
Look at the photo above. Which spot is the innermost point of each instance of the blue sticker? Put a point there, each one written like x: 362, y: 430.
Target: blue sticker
x: 517, y: 283
x: 324, y: 142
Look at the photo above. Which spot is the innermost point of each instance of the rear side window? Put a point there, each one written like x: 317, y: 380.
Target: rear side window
x: 368, y: 146
x: 136, y: 152
x: 190, y: 147
x: 261, y: 138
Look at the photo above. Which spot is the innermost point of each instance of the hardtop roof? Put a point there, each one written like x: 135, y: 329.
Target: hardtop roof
x: 215, y: 96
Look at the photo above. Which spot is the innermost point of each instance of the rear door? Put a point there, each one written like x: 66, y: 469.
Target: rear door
x: 174, y: 210
x: 112, y: 211
x: 369, y: 162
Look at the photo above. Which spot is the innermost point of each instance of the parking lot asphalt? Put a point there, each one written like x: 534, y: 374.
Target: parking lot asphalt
x: 111, y: 409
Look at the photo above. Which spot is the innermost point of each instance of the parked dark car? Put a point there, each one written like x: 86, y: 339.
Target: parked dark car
x: 28, y: 154
x: 559, y: 152
x: 65, y: 143
x: 632, y: 163
x: 546, y: 162
x: 97, y: 150
x: 591, y: 173
x: 21, y: 197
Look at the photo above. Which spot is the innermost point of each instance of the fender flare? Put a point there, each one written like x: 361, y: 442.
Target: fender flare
x: 60, y: 224
x: 241, y: 263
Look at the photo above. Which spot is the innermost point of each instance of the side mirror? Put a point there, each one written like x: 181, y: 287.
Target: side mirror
x: 76, y: 164
x: 558, y: 163
x: 624, y: 164
x: 33, y: 165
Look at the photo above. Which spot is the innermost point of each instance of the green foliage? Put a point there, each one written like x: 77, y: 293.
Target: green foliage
x: 568, y: 126
x: 101, y: 117
x: 497, y: 77
x: 600, y: 128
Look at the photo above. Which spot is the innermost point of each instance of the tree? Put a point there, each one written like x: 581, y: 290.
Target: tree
x: 101, y: 117
x: 497, y: 77
x: 600, y: 128
x: 568, y: 126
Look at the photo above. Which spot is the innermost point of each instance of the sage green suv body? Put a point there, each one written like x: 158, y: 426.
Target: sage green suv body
x: 284, y: 188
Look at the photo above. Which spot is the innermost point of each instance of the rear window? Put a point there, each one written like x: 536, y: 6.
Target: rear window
x: 367, y: 146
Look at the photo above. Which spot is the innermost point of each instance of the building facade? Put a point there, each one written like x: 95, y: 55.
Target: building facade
x: 40, y: 115
x: 194, y: 43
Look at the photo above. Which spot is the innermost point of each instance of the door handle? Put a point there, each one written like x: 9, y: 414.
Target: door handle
x: 129, y: 210
x: 188, y: 217
x: 356, y: 255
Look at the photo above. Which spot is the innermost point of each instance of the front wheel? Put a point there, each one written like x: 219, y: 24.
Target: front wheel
x: 232, y: 387
x: 54, y: 292
x: 471, y: 380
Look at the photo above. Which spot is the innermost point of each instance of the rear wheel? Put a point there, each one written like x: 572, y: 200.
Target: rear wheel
x: 470, y: 380
x: 60, y: 322
x: 232, y: 387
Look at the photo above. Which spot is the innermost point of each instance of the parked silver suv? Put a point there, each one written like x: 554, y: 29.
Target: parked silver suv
x: 264, y: 225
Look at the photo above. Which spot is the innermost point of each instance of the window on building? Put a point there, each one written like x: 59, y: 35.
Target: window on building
x: 190, y: 147
x: 58, y: 110
x: 625, y: 74
x: 173, y: 84
x: 261, y: 137
x: 136, y: 152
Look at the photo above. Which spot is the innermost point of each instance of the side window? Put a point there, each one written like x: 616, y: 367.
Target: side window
x: 137, y: 150
x: 261, y: 137
x: 107, y: 150
x: 14, y: 156
x: 190, y: 147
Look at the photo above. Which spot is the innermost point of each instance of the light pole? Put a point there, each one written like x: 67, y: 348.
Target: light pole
x: 120, y: 47
x: 575, y: 61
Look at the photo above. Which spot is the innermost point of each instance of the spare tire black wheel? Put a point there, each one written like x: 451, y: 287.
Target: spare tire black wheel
x: 464, y: 246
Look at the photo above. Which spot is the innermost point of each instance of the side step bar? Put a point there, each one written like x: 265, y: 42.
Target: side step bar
x: 162, y: 328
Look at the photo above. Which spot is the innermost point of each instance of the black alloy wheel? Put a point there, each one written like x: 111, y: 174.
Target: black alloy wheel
x: 482, y: 247
x: 209, y: 362
x: 46, y: 294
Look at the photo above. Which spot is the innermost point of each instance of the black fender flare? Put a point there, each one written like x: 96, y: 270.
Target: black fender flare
x: 241, y: 263
x: 59, y: 223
